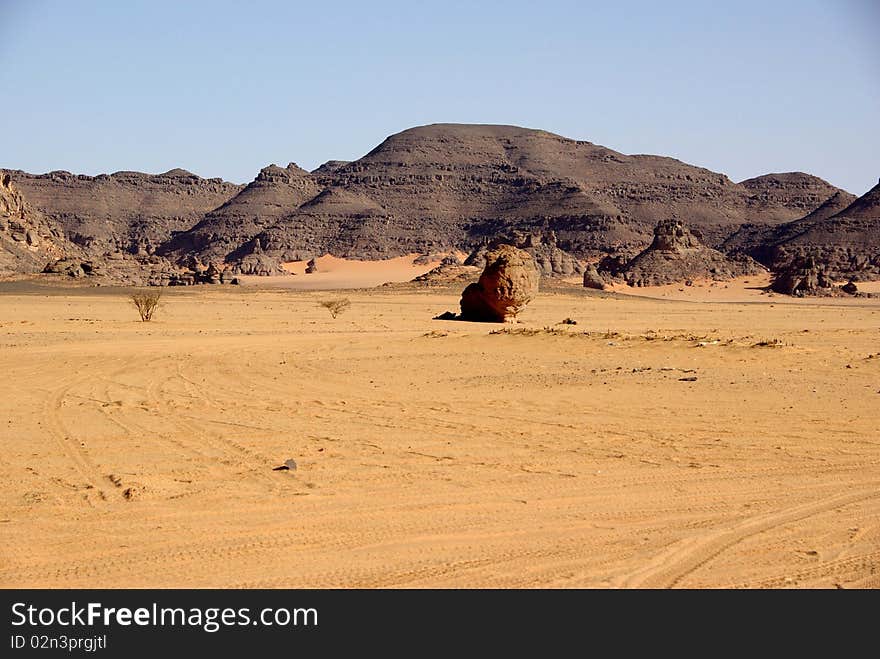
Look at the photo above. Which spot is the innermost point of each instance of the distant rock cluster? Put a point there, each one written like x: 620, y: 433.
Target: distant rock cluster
x: 450, y: 271
x: 210, y: 275
x: 676, y: 255
x: 72, y: 267
x: 257, y: 264
x: 542, y: 246
x: 805, y: 276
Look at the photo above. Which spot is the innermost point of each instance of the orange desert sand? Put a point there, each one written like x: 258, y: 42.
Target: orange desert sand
x: 433, y: 453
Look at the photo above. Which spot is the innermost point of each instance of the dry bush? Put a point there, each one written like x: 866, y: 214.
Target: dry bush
x: 769, y: 343
x: 335, y: 307
x: 146, y: 302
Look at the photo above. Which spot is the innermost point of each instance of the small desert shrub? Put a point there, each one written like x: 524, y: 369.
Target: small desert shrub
x: 568, y: 321
x: 769, y: 343
x: 335, y: 307
x: 146, y: 303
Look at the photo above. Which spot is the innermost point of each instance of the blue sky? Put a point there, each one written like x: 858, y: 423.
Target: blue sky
x: 224, y: 88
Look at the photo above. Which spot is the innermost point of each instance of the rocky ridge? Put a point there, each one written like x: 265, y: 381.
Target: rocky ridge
x: 125, y: 212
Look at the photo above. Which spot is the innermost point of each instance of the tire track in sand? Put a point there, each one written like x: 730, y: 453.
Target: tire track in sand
x: 88, y: 471
x: 669, y: 568
x: 861, y: 569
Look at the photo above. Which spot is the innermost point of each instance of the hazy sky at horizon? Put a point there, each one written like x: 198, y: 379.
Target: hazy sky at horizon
x: 224, y: 88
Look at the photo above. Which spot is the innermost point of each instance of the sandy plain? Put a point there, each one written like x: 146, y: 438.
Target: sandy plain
x: 436, y: 453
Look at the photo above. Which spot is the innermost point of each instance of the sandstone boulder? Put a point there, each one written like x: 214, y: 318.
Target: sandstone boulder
x: 258, y: 264
x: 75, y: 268
x: 850, y: 288
x: 803, y: 276
x: 508, y: 283
x: 592, y: 279
x: 211, y: 275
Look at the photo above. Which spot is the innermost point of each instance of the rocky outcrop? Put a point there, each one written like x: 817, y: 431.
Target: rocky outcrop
x: 593, y: 280
x: 550, y: 259
x: 72, y: 267
x: 28, y: 240
x: 541, y: 246
x: 508, y: 283
x: 127, y: 212
x: 850, y: 288
x: 258, y: 264
x: 802, y: 276
x: 211, y: 275
x: 677, y: 255
x: 447, y: 274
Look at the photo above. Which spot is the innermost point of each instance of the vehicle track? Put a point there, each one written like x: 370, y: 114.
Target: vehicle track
x: 669, y: 568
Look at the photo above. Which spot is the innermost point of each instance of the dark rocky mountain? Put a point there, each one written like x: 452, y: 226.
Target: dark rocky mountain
x: 442, y: 188
x: 437, y: 188
x: 847, y: 244
x: 128, y: 212
x: 760, y: 240
x: 276, y: 192
x: 797, y: 192
x: 842, y: 236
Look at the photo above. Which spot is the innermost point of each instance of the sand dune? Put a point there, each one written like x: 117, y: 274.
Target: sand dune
x: 434, y: 453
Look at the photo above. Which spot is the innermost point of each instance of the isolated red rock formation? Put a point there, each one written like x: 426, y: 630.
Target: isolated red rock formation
x: 507, y: 285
